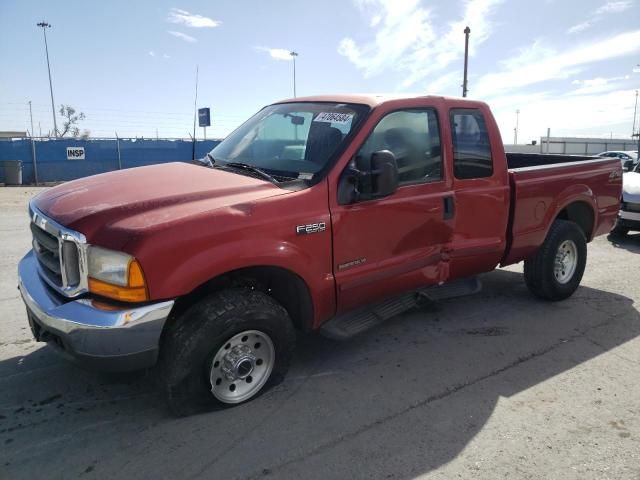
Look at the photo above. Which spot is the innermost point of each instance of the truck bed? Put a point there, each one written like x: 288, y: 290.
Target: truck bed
x: 525, y: 160
x: 543, y: 186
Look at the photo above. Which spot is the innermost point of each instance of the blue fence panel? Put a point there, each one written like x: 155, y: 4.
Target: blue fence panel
x: 100, y: 155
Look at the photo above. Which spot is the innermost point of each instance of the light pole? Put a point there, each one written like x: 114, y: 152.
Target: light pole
x: 44, y: 26
x: 515, y: 130
x: 33, y: 147
x: 635, y: 109
x: 195, y: 113
x: 634, y: 113
x: 293, y: 56
x: 467, y: 31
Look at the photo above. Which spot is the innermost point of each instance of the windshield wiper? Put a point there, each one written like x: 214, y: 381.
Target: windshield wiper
x: 250, y: 168
x: 207, y: 161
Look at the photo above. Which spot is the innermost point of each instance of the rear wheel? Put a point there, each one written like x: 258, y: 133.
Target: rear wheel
x: 227, y: 349
x: 554, y: 272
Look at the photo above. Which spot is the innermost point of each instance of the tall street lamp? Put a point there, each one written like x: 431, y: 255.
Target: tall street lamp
x: 636, y: 70
x: 293, y: 56
x: 465, y: 84
x: 635, y: 111
x: 44, y: 26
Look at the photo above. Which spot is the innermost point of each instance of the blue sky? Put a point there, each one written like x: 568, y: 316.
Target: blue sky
x: 130, y: 66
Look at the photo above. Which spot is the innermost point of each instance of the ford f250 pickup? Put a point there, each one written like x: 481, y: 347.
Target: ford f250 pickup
x: 329, y: 213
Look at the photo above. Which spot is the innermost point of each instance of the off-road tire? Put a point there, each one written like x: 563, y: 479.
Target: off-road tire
x: 539, y: 268
x: 191, y: 341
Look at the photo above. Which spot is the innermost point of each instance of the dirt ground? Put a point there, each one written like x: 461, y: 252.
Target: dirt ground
x: 496, y: 385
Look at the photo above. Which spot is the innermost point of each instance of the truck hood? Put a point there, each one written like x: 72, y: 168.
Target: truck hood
x: 631, y: 187
x: 145, y: 198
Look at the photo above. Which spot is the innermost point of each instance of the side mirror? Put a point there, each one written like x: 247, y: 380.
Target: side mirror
x: 384, y: 173
x: 381, y: 181
x: 628, y: 165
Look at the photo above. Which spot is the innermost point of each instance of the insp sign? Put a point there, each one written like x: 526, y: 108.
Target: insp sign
x: 75, y: 153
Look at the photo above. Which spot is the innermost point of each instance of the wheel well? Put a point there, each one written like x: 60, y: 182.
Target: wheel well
x: 581, y: 214
x: 284, y: 286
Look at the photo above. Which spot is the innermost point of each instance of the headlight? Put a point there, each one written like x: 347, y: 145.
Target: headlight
x: 115, y: 275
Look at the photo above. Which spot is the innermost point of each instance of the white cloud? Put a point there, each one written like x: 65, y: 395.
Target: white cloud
x: 598, y: 85
x: 183, y: 36
x: 277, y: 53
x: 538, y: 64
x: 614, y: 7
x: 409, y: 40
x: 449, y: 83
x: 528, y: 55
x: 193, y: 20
x: 580, y: 27
x: 165, y: 56
x: 593, y: 82
x: 609, y: 7
x: 152, y: 53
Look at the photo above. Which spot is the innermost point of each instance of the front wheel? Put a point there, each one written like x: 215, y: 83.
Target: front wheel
x: 225, y: 350
x: 554, y: 272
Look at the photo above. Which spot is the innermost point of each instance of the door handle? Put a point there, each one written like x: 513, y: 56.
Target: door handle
x: 449, y: 208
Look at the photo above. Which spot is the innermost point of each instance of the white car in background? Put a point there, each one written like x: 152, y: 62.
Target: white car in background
x: 629, y: 159
x: 629, y: 215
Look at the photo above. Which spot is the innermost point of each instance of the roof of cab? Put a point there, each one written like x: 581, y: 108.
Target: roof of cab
x: 371, y: 100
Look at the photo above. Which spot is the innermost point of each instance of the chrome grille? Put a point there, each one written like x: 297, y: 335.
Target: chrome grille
x: 61, y: 254
x: 47, y: 250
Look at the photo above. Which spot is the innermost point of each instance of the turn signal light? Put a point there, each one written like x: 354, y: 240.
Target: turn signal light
x: 135, y: 291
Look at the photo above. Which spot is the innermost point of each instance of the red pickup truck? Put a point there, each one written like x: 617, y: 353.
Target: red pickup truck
x: 328, y: 213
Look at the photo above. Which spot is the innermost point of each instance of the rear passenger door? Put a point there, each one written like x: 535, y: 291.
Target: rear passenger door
x: 481, y: 190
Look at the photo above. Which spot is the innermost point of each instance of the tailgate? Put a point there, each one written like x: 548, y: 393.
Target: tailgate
x: 588, y: 191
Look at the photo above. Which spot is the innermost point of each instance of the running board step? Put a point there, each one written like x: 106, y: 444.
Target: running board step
x: 458, y: 288
x: 350, y: 324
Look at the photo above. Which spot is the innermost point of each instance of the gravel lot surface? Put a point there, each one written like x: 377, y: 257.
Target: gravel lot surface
x: 496, y: 385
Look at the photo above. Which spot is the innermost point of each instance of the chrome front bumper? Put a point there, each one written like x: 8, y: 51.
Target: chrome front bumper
x: 119, y: 339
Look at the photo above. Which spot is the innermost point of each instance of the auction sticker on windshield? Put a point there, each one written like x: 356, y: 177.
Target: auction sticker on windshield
x: 339, y: 118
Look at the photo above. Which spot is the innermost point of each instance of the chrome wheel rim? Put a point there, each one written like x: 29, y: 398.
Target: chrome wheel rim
x: 566, y: 261
x: 241, y: 366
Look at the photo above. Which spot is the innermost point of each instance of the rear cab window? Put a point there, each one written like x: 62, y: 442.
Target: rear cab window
x: 471, y: 146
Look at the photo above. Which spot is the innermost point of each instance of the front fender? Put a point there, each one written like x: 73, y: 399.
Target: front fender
x: 212, y: 262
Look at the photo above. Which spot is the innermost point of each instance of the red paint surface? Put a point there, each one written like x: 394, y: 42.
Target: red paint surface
x: 188, y: 224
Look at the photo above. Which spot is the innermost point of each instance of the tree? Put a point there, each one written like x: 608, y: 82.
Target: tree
x: 71, y: 119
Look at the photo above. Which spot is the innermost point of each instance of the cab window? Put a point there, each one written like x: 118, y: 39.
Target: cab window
x: 413, y: 137
x: 471, y: 146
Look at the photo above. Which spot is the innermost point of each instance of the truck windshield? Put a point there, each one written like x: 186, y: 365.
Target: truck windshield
x: 290, y: 140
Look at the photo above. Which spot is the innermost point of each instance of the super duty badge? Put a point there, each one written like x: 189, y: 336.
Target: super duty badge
x: 311, y: 228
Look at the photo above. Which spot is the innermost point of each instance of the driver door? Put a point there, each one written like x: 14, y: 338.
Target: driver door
x: 390, y: 245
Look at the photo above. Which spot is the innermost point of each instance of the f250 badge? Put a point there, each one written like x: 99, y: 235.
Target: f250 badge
x: 311, y: 228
